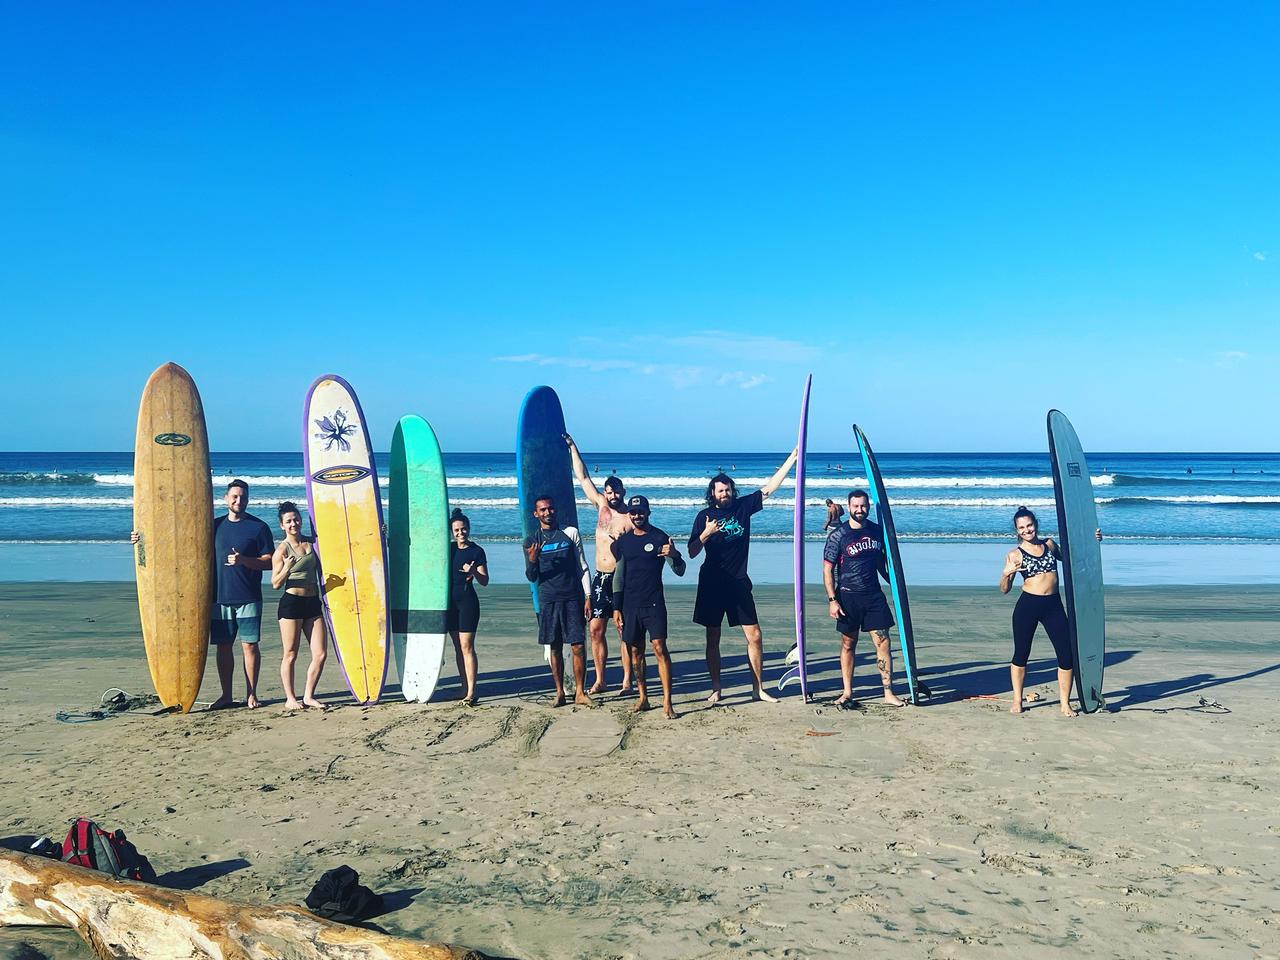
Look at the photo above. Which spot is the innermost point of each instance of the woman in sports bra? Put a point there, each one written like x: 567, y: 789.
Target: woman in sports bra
x: 1039, y: 605
x: 296, y: 568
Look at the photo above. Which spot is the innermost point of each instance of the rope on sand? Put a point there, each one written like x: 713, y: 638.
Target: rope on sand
x: 114, y: 702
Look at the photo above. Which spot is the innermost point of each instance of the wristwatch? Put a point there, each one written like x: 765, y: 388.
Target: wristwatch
x: 831, y: 599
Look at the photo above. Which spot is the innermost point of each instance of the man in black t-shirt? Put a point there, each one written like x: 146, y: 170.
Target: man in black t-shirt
x: 242, y: 547
x: 640, y: 605
x: 555, y: 562
x: 723, y: 529
x: 853, y: 564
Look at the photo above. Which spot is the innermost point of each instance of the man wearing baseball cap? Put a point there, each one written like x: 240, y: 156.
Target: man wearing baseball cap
x: 640, y: 607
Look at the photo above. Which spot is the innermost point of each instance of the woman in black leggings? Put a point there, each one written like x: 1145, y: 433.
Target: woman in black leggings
x: 1037, y: 561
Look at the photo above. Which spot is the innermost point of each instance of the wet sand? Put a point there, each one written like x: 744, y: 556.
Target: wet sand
x: 744, y: 830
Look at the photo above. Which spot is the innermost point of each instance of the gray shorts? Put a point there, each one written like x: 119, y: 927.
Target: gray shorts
x: 243, y: 623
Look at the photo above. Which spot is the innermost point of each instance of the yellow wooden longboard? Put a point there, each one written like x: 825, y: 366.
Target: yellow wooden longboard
x: 173, y: 514
x: 346, y: 515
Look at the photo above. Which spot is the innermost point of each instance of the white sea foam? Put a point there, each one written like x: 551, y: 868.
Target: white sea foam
x: 841, y: 481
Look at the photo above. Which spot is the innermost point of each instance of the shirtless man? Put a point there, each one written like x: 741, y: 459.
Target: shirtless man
x: 611, y: 523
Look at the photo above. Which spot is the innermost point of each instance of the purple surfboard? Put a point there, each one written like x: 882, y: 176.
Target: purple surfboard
x: 801, y: 669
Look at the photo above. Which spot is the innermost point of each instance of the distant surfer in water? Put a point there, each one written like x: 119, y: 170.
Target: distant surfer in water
x: 852, y: 563
x: 611, y: 522
x: 723, y: 529
x: 242, y: 547
x: 468, y: 566
x: 555, y: 562
x: 641, y: 607
x: 1039, y: 604
x: 295, y: 567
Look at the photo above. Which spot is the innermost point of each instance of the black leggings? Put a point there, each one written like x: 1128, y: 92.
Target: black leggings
x: 1031, y: 610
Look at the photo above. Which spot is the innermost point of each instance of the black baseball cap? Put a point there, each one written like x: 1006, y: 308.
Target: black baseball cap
x: 638, y: 504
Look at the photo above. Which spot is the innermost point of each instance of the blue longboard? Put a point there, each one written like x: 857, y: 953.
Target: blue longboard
x: 897, y: 580
x: 543, y: 465
x: 1081, y: 558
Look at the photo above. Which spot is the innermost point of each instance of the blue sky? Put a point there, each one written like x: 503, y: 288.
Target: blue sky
x: 954, y: 217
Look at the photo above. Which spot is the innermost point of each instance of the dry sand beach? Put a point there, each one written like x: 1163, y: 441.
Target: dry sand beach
x: 745, y: 830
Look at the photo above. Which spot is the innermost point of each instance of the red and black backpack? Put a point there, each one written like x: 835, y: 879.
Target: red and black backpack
x: 88, y: 845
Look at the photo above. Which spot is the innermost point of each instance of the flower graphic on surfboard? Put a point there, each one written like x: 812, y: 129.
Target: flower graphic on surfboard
x: 346, y: 516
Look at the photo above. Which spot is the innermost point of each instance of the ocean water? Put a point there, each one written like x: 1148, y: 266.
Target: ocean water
x: 1167, y: 498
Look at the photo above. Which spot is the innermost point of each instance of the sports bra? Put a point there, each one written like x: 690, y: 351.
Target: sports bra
x: 1033, y: 566
x: 303, y: 573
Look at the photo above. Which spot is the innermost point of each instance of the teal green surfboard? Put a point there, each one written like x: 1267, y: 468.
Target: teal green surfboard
x: 418, y: 548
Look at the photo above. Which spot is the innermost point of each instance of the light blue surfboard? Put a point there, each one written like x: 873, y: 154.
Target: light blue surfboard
x: 1081, y: 558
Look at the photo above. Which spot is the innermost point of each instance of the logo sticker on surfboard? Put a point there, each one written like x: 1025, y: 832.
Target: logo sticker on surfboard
x: 1073, y: 469
x: 348, y: 473
x: 172, y: 439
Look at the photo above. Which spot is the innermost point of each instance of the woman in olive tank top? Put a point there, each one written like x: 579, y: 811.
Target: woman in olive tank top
x: 296, y: 567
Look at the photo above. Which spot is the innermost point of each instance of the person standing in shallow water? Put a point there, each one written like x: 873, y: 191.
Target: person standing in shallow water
x: 468, y: 566
x: 295, y: 567
x: 1039, y: 605
x: 555, y: 562
x: 612, y: 521
x: 723, y: 529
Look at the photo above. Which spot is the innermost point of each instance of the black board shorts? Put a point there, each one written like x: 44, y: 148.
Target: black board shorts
x: 863, y: 611
x: 720, y: 598
x: 650, y: 620
x: 562, y: 622
x: 464, y: 613
x: 602, y: 596
x: 296, y: 607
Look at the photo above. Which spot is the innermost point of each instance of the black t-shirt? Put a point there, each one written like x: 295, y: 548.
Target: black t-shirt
x: 641, y: 563
x: 251, y: 537
x: 727, y: 550
x: 558, y: 572
x: 858, y: 556
x: 472, y: 554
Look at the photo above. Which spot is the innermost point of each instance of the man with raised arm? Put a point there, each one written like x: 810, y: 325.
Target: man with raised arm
x: 611, y: 522
x: 723, y: 529
x: 555, y: 562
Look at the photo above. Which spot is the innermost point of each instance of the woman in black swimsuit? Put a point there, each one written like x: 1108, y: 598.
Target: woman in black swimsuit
x: 468, y: 566
x: 1039, y: 604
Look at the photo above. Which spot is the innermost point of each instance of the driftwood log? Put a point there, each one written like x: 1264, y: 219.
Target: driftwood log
x: 126, y: 920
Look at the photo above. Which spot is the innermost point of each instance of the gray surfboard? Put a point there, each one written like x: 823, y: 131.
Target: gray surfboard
x: 1081, y: 558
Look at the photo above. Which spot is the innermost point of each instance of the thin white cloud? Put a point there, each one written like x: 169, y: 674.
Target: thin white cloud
x: 741, y: 379
x: 594, y: 364
x: 740, y: 346
x: 1260, y: 255
x: 1229, y: 358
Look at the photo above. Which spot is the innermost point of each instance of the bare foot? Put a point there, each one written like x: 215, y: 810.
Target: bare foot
x: 558, y: 701
x: 843, y: 699
x: 893, y: 700
x: 641, y: 705
x: 582, y: 700
x: 714, y: 698
x: 1067, y: 711
x: 626, y: 690
x: 294, y: 705
x: 598, y: 689
x: 222, y: 703
x: 764, y: 696
x: 669, y: 712
x: 470, y: 700
x: 314, y: 704
x: 1016, y: 708
x: 252, y: 701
